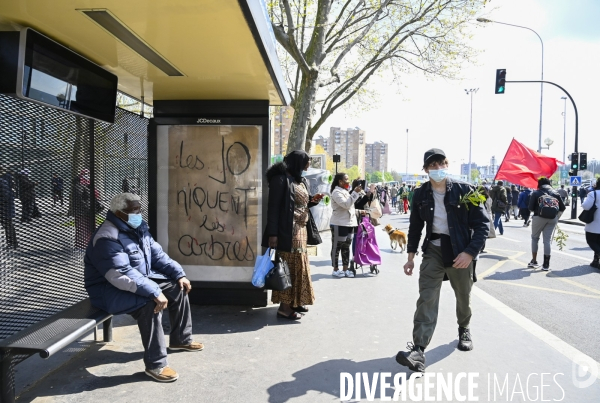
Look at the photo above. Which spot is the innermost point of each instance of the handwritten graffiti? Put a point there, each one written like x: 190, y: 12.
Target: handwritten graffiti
x: 213, y: 196
x: 237, y: 251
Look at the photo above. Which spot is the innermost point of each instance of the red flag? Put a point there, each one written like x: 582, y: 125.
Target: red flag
x: 523, y: 166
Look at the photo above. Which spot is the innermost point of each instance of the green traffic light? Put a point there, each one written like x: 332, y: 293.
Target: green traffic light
x: 574, y: 166
x: 500, y: 90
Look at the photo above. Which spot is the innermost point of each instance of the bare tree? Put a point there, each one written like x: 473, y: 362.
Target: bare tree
x: 330, y: 49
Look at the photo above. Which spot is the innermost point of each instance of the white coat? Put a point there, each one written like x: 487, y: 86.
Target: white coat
x: 594, y: 226
x: 342, y: 203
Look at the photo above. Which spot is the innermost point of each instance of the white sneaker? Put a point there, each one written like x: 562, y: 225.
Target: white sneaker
x: 338, y: 273
x: 349, y: 273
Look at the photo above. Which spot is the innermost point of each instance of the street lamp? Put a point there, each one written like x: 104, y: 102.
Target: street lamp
x: 548, y: 143
x: 470, y: 92
x: 480, y: 19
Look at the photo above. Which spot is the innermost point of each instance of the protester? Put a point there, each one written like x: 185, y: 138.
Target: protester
x: 286, y: 230
x: 454, y: 236
x: 514, y: 201
x: 592, y: 230
x: 27, y: 196
x: 385, y: 201
x: 563, y: 194
x: 7, y: 210
x: 508, y: 204
x: 405, y: 198
x: 499, y: 203
x: 82, y: 200
x: 547, y: 207
x: 411, y: 192
x: 523, y: 204
x: 343, y: 222
x: 582, y: 193
x: 57, y: 189
x: 126, y: 271
x: 394, y: 194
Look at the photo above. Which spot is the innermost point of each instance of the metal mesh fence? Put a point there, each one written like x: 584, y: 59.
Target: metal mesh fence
x: 56, y: 170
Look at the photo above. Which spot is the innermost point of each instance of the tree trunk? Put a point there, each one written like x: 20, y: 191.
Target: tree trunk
x: 303, y: 110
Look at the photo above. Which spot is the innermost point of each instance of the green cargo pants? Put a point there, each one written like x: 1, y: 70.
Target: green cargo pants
x: 431, y: 275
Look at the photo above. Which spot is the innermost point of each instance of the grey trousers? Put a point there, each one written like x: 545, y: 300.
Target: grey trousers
x: 544, y: 226
x: 431, y: 275
x: 150, y: 324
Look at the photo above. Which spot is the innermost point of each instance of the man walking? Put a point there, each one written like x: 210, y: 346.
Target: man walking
x: 563, y: 194
x: 547, y: 207
x: 523, y: 204
x: 394, y: 194
x: 454, y: 236
x: 514, y: 201
x: 57, y: 189
x: 499, y: 203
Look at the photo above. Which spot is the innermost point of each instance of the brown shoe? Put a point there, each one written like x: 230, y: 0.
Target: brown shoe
x: 164, y: 374
x: 193, y: 346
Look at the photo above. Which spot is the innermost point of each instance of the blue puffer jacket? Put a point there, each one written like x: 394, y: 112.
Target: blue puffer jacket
x: 119, y: 262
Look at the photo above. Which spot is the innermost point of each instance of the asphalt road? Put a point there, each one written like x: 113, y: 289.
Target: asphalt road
x: 565, y: 301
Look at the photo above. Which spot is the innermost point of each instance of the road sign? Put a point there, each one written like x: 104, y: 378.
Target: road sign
x: 564, y: 174
x: 575, y: 180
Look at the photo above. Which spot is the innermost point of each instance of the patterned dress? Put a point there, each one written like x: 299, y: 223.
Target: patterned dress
x: 301, y: 292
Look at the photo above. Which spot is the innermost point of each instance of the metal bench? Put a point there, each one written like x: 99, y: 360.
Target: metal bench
x: 47, y: 337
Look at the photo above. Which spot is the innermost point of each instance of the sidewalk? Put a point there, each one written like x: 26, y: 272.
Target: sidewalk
x: 356, y: 325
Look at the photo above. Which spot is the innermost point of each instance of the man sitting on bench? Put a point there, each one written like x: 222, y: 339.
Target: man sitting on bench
x: 126, y: 271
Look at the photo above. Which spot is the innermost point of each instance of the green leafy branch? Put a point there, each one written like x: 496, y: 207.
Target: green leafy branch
x: 560, y: 237
x: 474, y: 197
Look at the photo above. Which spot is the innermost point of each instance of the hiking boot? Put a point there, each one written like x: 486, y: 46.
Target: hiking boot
x: 546, y: 264
x: 464, y: 339
x: 414, y: 358
x: 596, y: 262
x: 533, y: 264
x: 193, y: 346
x: 164, y: 374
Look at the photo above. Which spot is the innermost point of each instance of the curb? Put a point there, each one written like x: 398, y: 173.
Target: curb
x: 572, y: 222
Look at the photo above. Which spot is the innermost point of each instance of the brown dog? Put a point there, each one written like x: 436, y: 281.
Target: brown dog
x: 397, y: 237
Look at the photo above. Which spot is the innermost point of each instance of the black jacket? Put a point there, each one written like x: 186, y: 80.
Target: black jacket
x: 280, y: 208
x: 535, y: 195
x: 461, y: 221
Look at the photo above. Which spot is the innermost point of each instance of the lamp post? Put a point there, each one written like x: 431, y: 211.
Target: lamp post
x: 542, y: 79
x: 564, y: 129
x: 406, y: 171
x: 470, y: 92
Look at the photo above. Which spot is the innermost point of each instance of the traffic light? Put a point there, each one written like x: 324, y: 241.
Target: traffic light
x: 575, y: 161
x: 582, y: 161
x: 500, y: 81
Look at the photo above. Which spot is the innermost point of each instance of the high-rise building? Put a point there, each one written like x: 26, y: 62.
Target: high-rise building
x: 464, y: 168
x: 323, y: 142
x: 376, y: 157
x: 281, y: 123
x: 349, y: 144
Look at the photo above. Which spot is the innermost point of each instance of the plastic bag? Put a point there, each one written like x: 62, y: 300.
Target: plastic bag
x: 261, y: 268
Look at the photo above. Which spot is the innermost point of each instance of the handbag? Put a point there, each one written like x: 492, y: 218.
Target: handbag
x: 374, y: 221
x: 312, y: 232
x: 375, y: 209
x: 587, y: 216
x: 500, y: 204
x: 278, y: 278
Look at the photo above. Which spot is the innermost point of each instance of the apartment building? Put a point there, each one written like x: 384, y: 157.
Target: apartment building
x: 376, y: 157
x: 281, y: 123
x: 349, y: 144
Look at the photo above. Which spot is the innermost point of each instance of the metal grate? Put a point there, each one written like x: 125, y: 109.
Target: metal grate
x: 44, y: 230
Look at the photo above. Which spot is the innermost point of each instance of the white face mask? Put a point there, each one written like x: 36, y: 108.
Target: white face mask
x: 438, y: 175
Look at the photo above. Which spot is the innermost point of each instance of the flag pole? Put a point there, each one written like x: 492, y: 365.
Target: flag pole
x: 500, y: 167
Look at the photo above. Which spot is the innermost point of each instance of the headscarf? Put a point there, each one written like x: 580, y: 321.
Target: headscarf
x: 295, y: 163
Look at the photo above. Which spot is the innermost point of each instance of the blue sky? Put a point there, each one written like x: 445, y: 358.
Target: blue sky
x: 436, y: 111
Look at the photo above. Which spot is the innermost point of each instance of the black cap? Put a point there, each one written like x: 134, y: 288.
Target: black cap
x: 432, y: 153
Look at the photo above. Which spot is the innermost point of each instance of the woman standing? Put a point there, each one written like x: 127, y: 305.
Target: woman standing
x: 592, y: 230
x: 343, y: 222
x: 286, y: 230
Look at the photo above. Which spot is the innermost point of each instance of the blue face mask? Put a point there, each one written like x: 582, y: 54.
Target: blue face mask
x: 438, y: 175
x: 134, y: 220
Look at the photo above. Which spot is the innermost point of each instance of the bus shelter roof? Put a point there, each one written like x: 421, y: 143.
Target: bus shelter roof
x: 166, y: 49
